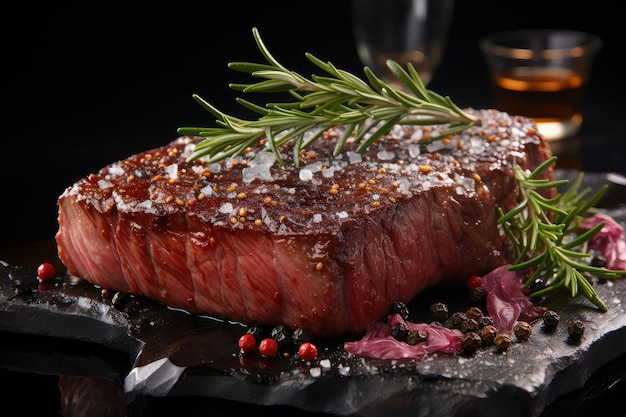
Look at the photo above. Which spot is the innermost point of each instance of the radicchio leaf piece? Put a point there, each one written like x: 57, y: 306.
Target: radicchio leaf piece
x: 379, y: 343
x: 609, y: 240
x: 506, y: 301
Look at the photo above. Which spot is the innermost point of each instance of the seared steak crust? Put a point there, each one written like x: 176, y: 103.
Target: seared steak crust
x: 327, y: 246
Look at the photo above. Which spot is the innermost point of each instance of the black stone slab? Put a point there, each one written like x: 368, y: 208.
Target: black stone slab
x: 148, y: 351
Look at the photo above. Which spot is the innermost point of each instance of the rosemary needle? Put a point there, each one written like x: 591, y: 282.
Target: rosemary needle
x: 322, y: 102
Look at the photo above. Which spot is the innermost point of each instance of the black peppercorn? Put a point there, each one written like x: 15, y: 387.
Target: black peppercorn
x: 439, y: 311
x: 522, y: 330
x: 477, y: 295
x: 474, y: 313
x: 399, y: 331
x: 469, y: 325
x: 575, y: 329
x: 502, y: 342
x: 413, y: 337
x: 471, y: 342
x: 537, y: 284
x: 456, y: 320
x: 599, y: 261
x: 488, y: 334
x: 550, y: 320
x: 400, y: 308
x: 485, y: 321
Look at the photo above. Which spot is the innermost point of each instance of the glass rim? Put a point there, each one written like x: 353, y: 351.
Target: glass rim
x: 588, y: 44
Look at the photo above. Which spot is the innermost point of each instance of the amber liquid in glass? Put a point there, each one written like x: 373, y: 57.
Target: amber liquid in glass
x: 548, y: 95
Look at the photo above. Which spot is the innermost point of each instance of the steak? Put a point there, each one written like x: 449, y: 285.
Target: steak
x: 327, y: 245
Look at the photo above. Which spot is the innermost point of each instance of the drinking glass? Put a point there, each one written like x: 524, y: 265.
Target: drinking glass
x: 405, y: 31
x: 542, y: 73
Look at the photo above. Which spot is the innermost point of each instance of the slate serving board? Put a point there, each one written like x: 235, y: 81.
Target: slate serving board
x: 146, y: 350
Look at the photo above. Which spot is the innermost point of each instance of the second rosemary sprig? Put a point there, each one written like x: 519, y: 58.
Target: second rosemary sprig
x: 545, y: 236
x: 369, y: 109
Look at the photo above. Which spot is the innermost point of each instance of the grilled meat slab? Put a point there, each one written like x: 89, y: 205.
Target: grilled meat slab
x: 326, y: 246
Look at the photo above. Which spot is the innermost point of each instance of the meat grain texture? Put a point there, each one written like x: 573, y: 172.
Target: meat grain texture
x: 327, y: 246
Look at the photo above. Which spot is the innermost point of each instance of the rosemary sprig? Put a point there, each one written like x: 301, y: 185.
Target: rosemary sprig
x: 320, y: 103
x: 544, y: 235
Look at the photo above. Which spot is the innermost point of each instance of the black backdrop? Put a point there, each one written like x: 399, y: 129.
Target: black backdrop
x: 90, y: 84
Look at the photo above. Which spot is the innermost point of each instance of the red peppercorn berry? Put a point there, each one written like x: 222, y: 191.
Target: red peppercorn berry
x: 307, y: 351
x: 46, y: 272
x: 268, y: 347
x: 247, y: 343
x: 473, y: 281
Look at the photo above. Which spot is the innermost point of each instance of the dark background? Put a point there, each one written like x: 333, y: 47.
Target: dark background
x: 87, y: 85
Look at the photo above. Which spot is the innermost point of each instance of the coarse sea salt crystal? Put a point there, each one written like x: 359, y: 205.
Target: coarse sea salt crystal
x: 317, y: 218
x: 403, y: 186
x: 476, y: 145
x: 385, y: 155
x: 172, y: 171
x: 435, y: 146
x: 414, y: 150
x: 468, y: 184
x: 188, y: 150
x: 226, y: 208
x: 315, y: 167
x: 305, y: 175
x: 341, y: 214
x: 417, y: 135
x: 329, y: 172
x: 207, y: 190
x: 354, y: 157
x: 116, y: 170
x: 104, y: 184
x: 259, y: 167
